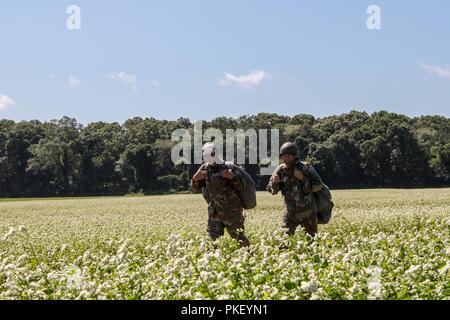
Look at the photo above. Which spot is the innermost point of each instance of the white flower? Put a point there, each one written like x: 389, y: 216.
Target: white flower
x: 228, y: 284
x: 74, y: 277
x: 412, y: 270
x: 309, y: 286
x: 375, y: 289
x: 123, y: 248
x: 205, y: 275
x: 374, y: 271
x: 10, y: 233
x: 86, y: 257
x: 121, y: 257
x: 374, y: 282
x: 314, y: 296
x: 218, y: 254
x: 445, y: 269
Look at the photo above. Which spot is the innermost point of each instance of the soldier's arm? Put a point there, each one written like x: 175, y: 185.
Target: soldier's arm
x: 196, y: 186
x: 274, y: 183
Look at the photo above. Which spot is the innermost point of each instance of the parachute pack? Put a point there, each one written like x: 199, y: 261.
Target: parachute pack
x: 325, y: 204
x: 248, y: 193
x: 323, y: 197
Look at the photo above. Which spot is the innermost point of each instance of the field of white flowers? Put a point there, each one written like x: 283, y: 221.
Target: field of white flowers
x: 381, y: 244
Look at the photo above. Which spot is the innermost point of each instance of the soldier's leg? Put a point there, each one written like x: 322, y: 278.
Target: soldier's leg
x: 215, y: 228
x: 235, y: 228
x: 290, y: 224
x: 310, y: 225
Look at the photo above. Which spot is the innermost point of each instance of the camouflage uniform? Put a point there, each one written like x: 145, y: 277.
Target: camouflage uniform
x: 300, y: 205
x: 225, y: 209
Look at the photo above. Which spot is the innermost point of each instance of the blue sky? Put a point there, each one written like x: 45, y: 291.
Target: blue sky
x: 202, y: 59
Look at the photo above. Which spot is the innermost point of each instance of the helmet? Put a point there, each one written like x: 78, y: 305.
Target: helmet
x: 289, y: 148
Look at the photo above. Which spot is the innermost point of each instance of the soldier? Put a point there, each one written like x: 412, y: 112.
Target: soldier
x: 220, y: 182
x: 297, y: 181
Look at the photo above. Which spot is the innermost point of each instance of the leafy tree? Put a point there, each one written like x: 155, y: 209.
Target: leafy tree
x: 137, y: 166
x: 102, y: 145
x: 56, y: 159
x: 355, y: 149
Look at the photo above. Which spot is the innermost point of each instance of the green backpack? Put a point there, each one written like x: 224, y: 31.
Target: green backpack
x: 323, y: 198
x: 248, y: 194
x: 325, y: 204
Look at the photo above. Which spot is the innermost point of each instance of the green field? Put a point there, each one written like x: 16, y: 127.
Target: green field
x: 381, y: 244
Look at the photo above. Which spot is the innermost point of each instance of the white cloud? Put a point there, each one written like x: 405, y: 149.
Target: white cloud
x: 74, y: 82
x: 130, y: 79
x: 71, y: 82
x: 253, y: 79
x: 6, y: 102
x: 443, y: 72
x: 155, y: 83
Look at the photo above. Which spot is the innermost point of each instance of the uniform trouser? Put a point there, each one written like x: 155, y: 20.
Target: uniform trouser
x: 310, y: 224
x: 234, y: 225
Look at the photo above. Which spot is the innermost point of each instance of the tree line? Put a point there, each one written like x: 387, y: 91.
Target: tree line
x: 354, y: 150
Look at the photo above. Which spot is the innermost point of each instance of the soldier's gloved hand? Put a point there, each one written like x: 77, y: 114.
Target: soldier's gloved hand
x: 227, y: 174
x: 200, y: 175
x: 298, y: 174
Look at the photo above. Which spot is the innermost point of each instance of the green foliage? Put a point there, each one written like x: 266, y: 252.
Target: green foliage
x: 136, y: 165
x: 56, y: 158
x: 356, y: 149
x: 170, y: 182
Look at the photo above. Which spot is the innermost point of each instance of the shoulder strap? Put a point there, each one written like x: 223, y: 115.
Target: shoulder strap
x: 229, y: 164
